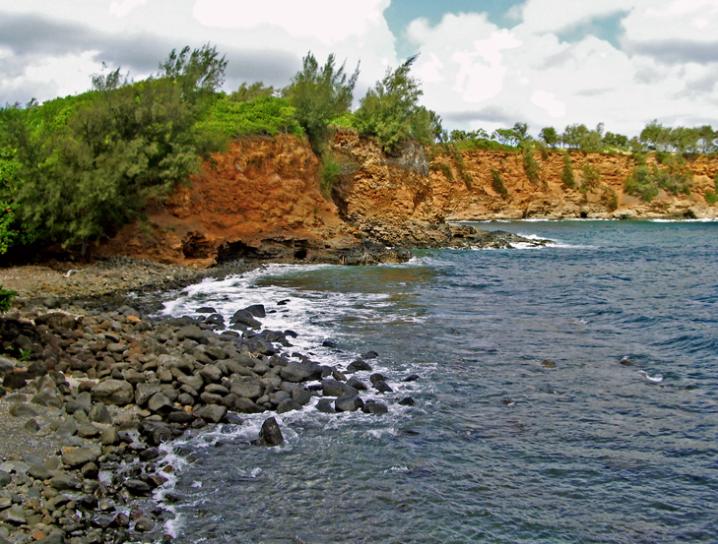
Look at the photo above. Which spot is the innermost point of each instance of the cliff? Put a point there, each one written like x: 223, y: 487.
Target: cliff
x: 261, y: 197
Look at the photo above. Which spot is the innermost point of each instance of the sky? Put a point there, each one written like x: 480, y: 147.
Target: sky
x: 482, y: 63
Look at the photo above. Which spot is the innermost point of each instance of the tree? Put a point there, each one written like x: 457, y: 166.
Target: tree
x: 197, y: 71
x: 391, y: 112
x: 255, y: 90
x: 549, y: 136
x: 320, y: 94
x: 567, y: 175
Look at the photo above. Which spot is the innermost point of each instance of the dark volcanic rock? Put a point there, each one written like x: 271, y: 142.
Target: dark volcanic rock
x: 270, y: 434
x: 348, y: 403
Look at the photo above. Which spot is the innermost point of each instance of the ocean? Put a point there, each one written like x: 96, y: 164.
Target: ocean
x: 567, y: 394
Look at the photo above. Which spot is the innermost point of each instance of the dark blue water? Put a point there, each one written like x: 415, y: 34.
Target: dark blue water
x: 500, y: 447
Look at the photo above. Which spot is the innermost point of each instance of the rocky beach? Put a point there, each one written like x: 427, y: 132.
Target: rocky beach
x: 94, y: 383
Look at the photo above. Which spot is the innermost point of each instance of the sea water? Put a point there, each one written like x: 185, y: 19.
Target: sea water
x: 529, y: 426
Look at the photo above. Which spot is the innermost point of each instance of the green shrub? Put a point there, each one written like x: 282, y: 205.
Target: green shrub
x: 330, y: 173
x: 589, y: 178
x: 444, y: 169
x: 609, y: 198
x: 267, y: 115
x: 711, y: 197
x: 531, y: 167
x: 641, y: 182
x: 497, y: 183
x: 675, y: 178
x: 320, y: 94
x: 346, y: 120
x: 567, y: 176
x: 6, y: 297
x: 390, y: 112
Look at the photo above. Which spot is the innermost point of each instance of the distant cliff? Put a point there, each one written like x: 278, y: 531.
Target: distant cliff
x: 263, y: 193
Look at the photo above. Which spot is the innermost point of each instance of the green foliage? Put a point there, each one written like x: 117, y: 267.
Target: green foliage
x: 458, y: 159
x: 567, y: 176
x: 711, y: 197
x: 549, y: 136
x: 6, y: 297
x: 346, y: 120
x: 230, y: 118
x: 253, y: 91
x: 609, y: 198
x: 198, y: 72
x: 590, y: 178
x: 330, y: 173
x: 531, y: 167
x: 320, y: 94
x: 391, y: 113
x: 675, y: 178
x: 443, y: 168
x: 641, y: 182
x: 497, y: 183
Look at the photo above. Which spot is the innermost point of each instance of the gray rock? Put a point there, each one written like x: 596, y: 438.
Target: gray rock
x: 159, y: 403
x: 144, y: 524
x: 137, y: 487
x: 358, y: 365
x: 375, y: 407
x: 15, y: 515
x: 407, y: 401
x: 100, y: 414
x: 257, y: 310
x: 113, y: 391
x: 348, y: 403
x: 371, y: 354
x: 299, y: 372
x: 210, y: 374
x: 192, y: 332
x: 64, y: 482
x: 214, y: 413
x: 248, y: 388
x: 144, y: 391
x: 5, y: 479
x: 241, y: 404
x: 77, y: 456
x: 356, y: 383
x: 287, y: 406
x: 270, y: 434
x: 301, y: 396
x: 382, y: 387
x: 326, y: 406
x: 244, y: 318
x: 116, y: 347
x: 333, y: 388
x: 22, y: 409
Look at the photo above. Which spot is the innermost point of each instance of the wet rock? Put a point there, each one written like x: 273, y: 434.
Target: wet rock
x: 270, y: 434
x: 625, y: 361
x: 114, y: 391
x: 180, y: 417
x: 382, y: 387
x: 210, y: 374
x: 288, y: 405
x: 358, y: 365
x: 301, y: 396
x: 326, y: 406
x: 328, y: 343
x: 412, y: 378
x: 144, y: 524
x: 213, y: 413
x: 548, y: 363
x: 257, y: 310
x: 348, y: 403
x: 206, y: 310
x: 244, y: 318
x: 137, y: 487
x: 334, y: 388
x: 375, y: 407
x: 241, y: 404
x: 299, y: 372
x: 356, y: 383
x: 407, y: 401
x: 371, y: 354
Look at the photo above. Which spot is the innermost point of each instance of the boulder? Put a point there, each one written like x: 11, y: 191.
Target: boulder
x: 375, y: 407
x: 159, y: 403
x: 113, y: 391
x: 214, y: 413
x: 299, y: 372
x: 270, y: 434
x: 193, y: 332
x: 77, y: 456
x: 334, y: 388
x: 244, y: 318
x: 250, y: 388
x: 257, y: 310
x: 359, y: 364
x: 144, y: 391
x: 348, y: 403
x: 326, y: 406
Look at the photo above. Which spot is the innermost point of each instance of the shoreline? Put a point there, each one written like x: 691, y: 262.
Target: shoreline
x: 105, y: 389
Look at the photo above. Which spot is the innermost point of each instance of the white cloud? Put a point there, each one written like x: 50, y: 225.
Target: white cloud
x: 556, y: 15
x: 122, y: 8
x: 548, y: 102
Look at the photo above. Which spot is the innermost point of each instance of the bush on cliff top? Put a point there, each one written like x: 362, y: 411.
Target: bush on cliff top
x: 390, y: 112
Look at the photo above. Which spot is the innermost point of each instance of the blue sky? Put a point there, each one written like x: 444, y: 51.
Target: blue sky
x: 481, y: 63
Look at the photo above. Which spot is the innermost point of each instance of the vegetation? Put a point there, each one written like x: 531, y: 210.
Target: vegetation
x: 712, y: 196
x: 320, y: 94
x: 390, y: 111
x: 567, y: 177
x: 6, y: 297
x: 497, y: 183
x: 609, y: 198
x: 589, y: 178
x: 531, y: 167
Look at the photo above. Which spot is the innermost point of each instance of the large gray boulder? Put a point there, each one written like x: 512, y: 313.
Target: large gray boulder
x: 112, y: 391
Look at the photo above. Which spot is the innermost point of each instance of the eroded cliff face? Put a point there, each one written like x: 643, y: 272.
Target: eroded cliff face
x: 382, y: 192
x: 261, y: 197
